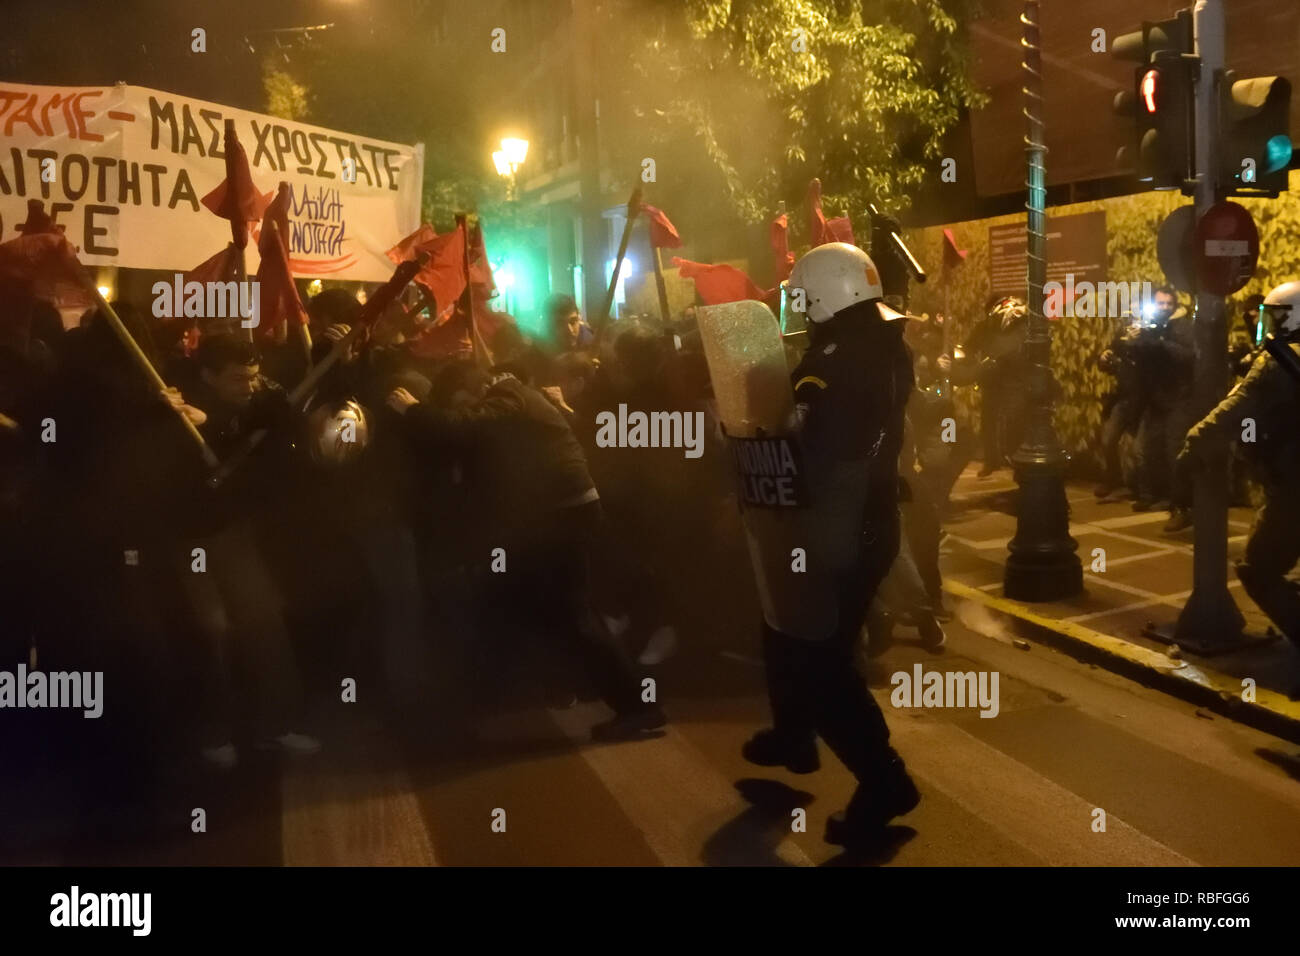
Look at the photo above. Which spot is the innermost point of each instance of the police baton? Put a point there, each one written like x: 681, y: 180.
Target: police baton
x: 1283, y: 354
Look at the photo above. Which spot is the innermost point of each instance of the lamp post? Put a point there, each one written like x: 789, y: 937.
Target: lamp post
x: 508, y: 159
x: 1042, y: 564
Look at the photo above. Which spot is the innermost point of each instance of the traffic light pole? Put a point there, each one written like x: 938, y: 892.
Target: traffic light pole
x: 1209, y: 622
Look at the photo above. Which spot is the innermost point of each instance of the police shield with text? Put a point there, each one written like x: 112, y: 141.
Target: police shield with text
x: 851, y: 388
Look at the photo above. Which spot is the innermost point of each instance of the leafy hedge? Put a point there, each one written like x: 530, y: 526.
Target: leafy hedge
x: 1132, y: 223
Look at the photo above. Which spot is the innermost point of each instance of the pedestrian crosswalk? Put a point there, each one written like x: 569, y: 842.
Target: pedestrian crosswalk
x: 1070, y: 747
x: 685, y: 798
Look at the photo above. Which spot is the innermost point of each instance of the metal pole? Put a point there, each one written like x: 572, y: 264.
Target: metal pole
x: 1209, y: 621
x: 663, y: 289
x: 633, y: 208
x: 1042, y: 564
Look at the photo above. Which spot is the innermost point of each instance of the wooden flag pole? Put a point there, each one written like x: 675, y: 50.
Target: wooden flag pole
x: 238, y: 229
x: 142, y: 362
x: 633, y: 209
x: 663, y: 289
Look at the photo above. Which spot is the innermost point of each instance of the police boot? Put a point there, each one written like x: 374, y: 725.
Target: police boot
x: 877, y: 801
x: 770, y: 748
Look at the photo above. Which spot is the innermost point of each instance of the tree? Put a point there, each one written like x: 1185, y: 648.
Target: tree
x: 762, y: 95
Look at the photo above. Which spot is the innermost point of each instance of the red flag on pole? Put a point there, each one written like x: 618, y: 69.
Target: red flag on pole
x: 717, y: 284
x: 663, y: 234
x: 782, y: 257
x: 408, y: 247
x: 277, y: 211
x: 236, y: 198
x: 820, y: 229
x: 952, y: 256
x: 42, y: 256
x: 482, y: 288
x: 279, y: 299
x: 444, y: 274
x: 221, y: 267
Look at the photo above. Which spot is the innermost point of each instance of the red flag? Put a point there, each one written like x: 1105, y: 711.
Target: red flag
x: 444, y: 274
x: 717, y: 284
x: 663, y: 234
x: 406, y: 249
x: 821, y: 230
x: 218, y: 268
x: 446, y: 338
x: 480, y: 269
x: 816, y: 221
x: 236, y: 198
x: 43, y: 257
x: 840, y: 229
x: 482, y: 289
x: 952, y: 256
x: 278, y: 295
x: 277, y: 211
x: 782, y: 257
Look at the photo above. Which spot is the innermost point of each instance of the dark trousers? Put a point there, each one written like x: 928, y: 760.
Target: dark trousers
x: 1124, y: 416
x: 815, y: 688
x: 249, y: 674
x: 1160, y: 437
x: 1271, y: 552
x: 1001, y: 418
x: 546, y: 588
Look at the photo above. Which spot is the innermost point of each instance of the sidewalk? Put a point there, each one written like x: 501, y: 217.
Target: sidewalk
x: 1147, y: 579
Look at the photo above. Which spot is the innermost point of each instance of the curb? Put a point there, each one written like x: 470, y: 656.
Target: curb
x: 1271, y: 711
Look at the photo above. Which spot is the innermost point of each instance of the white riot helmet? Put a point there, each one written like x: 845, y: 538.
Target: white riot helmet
x: 337, y: 434
x: 1281, y: 308
x: 835, y: 276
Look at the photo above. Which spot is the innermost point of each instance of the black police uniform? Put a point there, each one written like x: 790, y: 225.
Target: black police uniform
x: 853, y: 384
x: 1271, y: 399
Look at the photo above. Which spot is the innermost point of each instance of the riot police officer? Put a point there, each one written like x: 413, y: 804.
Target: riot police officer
x: 1260, y: 413
x: 851, y: 390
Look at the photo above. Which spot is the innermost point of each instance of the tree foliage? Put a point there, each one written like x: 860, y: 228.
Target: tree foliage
x: 756, y: 97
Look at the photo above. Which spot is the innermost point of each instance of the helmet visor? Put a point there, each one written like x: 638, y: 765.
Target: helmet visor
x: 1276, y: 318
x: 794, y: 309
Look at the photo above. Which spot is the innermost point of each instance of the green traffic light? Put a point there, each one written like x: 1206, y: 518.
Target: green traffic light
x: 1277, y: 153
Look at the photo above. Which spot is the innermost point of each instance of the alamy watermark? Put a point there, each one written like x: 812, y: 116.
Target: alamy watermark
x: 651, y: 430
x: 946, y: 689
x: 78, y: 909
x: 1088, y: 300
x: 75, y: 690
x: 208, y: 300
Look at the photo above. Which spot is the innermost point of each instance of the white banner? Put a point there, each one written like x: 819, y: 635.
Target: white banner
x: 123, y: 169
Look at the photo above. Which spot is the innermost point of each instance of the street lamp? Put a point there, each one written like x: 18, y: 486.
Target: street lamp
x: 509, y: 158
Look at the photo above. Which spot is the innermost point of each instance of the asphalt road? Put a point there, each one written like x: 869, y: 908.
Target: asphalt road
x: 1024, y: 787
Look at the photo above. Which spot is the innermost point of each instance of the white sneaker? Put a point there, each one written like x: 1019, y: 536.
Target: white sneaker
x: 661, y: 646
x: 224, y: 757
x: 294, y: 745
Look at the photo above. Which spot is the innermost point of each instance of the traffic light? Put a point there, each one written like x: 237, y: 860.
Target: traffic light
x: 1161, y: 102
x: 1255, y: 133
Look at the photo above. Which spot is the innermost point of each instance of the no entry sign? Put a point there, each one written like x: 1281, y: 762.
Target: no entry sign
x: 1227, y: 248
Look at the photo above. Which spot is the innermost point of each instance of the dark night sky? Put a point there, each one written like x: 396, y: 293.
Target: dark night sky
x: 147, y: 42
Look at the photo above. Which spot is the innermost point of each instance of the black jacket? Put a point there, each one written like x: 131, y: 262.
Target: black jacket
x: 522, y: 459
x: 854, y: 383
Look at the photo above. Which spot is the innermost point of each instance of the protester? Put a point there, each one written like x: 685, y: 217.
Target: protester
x: 543, y: 513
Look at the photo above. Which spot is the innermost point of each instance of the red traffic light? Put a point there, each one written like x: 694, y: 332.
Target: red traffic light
x: 1149, y: 88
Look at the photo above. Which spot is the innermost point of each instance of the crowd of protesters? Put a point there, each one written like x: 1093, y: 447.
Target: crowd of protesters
x: 414, y: 526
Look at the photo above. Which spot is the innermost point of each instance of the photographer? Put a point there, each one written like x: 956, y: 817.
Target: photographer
x: 1163, y: 352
